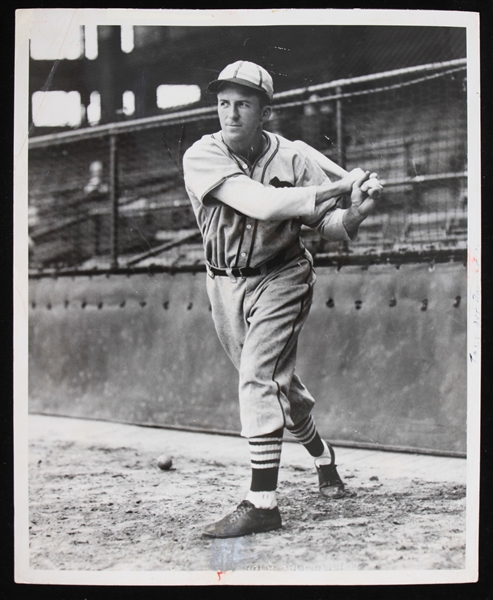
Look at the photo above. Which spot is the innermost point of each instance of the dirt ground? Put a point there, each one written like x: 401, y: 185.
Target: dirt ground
x: 106, y: 506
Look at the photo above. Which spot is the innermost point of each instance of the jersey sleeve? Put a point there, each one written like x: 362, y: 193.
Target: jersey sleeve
x: 308, y: 172
x: 328, y: 166
x: 206, y: 166
x: 327, y: 218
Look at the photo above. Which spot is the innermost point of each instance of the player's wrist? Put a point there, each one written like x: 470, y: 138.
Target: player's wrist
x: 357, y: 212
x: 352, y: 219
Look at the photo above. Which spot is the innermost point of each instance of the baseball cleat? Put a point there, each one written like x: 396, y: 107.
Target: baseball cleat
x: 244, y: 520
x: 329, y: 482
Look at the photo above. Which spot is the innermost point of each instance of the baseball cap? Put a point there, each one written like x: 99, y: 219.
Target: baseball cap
x: 243, y: 72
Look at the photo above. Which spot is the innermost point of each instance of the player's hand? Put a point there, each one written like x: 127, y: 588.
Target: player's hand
x: 372, y: 186
x: 360, y: 199
x: 350, y: 179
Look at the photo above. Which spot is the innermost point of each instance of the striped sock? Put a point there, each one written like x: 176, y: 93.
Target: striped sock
x: 306, y: 433
x: 265, y: 458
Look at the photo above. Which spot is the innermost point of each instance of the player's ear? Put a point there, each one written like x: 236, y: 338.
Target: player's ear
x: 266, y: 113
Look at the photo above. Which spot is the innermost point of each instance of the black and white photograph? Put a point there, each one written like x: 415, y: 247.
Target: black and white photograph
x: 247, y: 317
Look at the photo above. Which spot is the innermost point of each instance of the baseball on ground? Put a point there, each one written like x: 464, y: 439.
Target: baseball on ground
x: 164, y: 462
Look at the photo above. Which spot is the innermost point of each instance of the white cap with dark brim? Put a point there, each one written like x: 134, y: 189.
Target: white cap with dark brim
x: 247, y: 74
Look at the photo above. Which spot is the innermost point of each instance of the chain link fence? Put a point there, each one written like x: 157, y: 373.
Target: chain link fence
x: 112, y: 197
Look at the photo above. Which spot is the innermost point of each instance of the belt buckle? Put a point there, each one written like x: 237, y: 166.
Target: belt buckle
x: 231, y: 275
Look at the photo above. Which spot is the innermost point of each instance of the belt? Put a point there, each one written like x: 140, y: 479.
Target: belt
x: 279, y: 259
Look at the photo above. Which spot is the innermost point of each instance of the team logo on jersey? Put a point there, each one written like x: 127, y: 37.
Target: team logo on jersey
x: 275, y: 182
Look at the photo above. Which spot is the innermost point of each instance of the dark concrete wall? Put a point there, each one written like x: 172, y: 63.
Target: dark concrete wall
x: 143, y: 349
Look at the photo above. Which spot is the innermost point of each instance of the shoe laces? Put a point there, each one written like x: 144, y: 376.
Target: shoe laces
x: 243, y: 507
x: 331, y: 473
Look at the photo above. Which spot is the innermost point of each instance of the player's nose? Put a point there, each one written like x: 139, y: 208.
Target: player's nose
x: 233, y: 113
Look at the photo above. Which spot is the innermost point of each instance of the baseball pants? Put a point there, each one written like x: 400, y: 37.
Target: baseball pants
x: 258, y: 320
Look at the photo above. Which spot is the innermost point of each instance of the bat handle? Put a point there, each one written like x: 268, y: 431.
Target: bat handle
x: 375, y: 194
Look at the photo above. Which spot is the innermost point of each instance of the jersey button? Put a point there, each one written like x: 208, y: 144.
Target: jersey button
x: 243, y: 254
x: 249, y: 226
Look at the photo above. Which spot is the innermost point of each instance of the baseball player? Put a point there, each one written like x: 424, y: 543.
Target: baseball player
x: 251, y: 192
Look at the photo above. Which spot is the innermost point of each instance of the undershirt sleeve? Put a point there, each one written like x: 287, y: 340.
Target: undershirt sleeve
x: 265, y: 203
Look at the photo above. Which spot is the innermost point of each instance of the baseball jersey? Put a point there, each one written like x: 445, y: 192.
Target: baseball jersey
x: 233, y: 239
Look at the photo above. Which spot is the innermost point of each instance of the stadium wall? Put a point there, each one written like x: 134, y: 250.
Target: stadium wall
x: 383, y: 352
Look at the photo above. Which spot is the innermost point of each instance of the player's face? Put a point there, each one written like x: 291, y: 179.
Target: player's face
x: 241, y: 114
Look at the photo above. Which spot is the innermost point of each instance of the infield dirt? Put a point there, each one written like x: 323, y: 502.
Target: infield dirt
x: 98, y: 501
